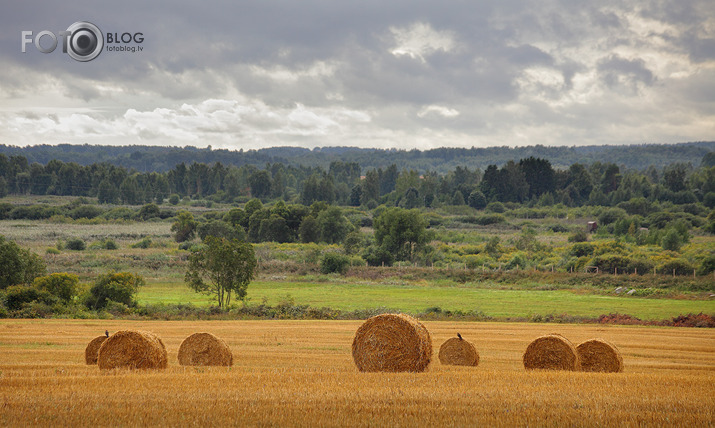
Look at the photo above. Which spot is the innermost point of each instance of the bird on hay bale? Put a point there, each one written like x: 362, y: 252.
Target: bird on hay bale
x: 106, y: 333
x: 459, y: 336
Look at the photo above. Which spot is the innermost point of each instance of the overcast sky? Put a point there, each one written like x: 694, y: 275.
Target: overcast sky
x: 398, y: 74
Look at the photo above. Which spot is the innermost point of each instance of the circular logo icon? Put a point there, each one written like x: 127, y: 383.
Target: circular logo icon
x: 86, y: 41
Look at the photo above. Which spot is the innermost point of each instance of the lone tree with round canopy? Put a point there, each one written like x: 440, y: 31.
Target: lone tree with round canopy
x: 221, y: 268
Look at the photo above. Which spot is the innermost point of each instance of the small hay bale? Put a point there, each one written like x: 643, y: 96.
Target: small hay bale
x: 392, y: 343
x: 597, y: 355
x: 204, y: 349
x: 553, y: 352
x: 458, y: 352
x: 92, y: 349
x: 133, y: 350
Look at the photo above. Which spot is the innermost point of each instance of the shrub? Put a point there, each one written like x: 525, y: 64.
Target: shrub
x: 581, y: 249
x: 334, y: 263
x: 496, y: 207
x: 61, y: 285
x: 607, y: 263
x: 708, y: 265
x: 52, y: 250
x: 378, y: 256
x: 679, y: 266
x: 86, y: 211
x: 611, y: 215
x: 640, y: 266
x: 672, y: 241
x: 109, y: 244
x: 18, y: 296
x: 144, y: 243
x: 174, y: 199
x: 120, y: 287
x: 76, y: 244
x: 579, y: 235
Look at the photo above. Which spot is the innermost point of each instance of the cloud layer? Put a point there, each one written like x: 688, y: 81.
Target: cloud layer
x: 397, y: 74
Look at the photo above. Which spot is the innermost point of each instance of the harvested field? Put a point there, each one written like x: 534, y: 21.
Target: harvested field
x: 289, y: 373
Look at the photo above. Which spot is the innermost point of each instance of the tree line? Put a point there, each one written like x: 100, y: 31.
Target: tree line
x: 530, y: 180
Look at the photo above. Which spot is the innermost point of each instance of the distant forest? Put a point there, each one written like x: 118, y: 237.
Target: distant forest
x: 533, y: 180
x: 440, y: 161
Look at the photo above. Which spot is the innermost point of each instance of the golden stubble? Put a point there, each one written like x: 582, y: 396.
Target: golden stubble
x: 301, y: 373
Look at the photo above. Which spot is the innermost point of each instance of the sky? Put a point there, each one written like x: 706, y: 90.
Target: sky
x: 384, y: 74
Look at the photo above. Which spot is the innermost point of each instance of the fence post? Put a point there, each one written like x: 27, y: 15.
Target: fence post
x: 615, y: 271
x: 673, y: 273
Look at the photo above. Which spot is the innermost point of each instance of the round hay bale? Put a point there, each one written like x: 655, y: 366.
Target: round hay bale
x: 597, y: 355
x: 204, y: 349
x: 392, y: 343
x: 133, y: 350
x: 553, y: 352
x: 458, y: 352
x: 92, y: 349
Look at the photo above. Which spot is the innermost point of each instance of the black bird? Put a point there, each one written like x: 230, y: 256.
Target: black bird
x: 459, y: 336
x: 106, y: 333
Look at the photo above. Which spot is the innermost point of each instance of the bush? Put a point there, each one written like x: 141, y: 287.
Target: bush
x: 708, y: 265
x: 174, y: 199
x: 144, y: 243
x: 52, y: 250
x: 86, y: 211
x: 120, y: 287
x: 679, y: 266
x: 64, y: 286
x: 611, y: 215
x: 579, y: 235
x: 334, y: 263
x: 672, y: 241
x: 608, y: 263
x: 378, y: 256
x: 17, y: 296
x: 76, y: 244
x: 496, y: 207
x: 581, y: 249
x: 109, y: 244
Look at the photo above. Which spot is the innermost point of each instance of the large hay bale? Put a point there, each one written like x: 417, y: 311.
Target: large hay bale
x: 92, y: 349
x: 204, y: 349
x: 597, y: 355
x: 553, y: 352
x: 133, y: 350
x: 392, y: 343
x: 458, y: 352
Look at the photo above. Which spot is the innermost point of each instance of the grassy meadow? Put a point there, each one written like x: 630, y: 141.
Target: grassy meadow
x: 300, y: 373
x: 415, y: 298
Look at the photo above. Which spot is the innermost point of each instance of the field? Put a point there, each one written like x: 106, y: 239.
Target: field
x: 300, y: 373
x: 350, y: 295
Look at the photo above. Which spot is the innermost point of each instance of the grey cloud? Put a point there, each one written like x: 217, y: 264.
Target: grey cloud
x: 514, y: 64
x: 617, y: 72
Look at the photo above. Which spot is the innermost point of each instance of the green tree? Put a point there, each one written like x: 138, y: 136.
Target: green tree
x: 309, y: 230
x: 18, y: 265
x: 401, y: 232
x: 120, y: 287
x: 184, y: 227
x: 221, y: 268
x: 61, y: 285
x: 477, y: 200
x: 672, y: 240
x: 107, y: 192
x: 260, y: 183
x: 333, y: 225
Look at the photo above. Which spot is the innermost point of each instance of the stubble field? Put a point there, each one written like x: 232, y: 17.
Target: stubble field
x: 301, y: 373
